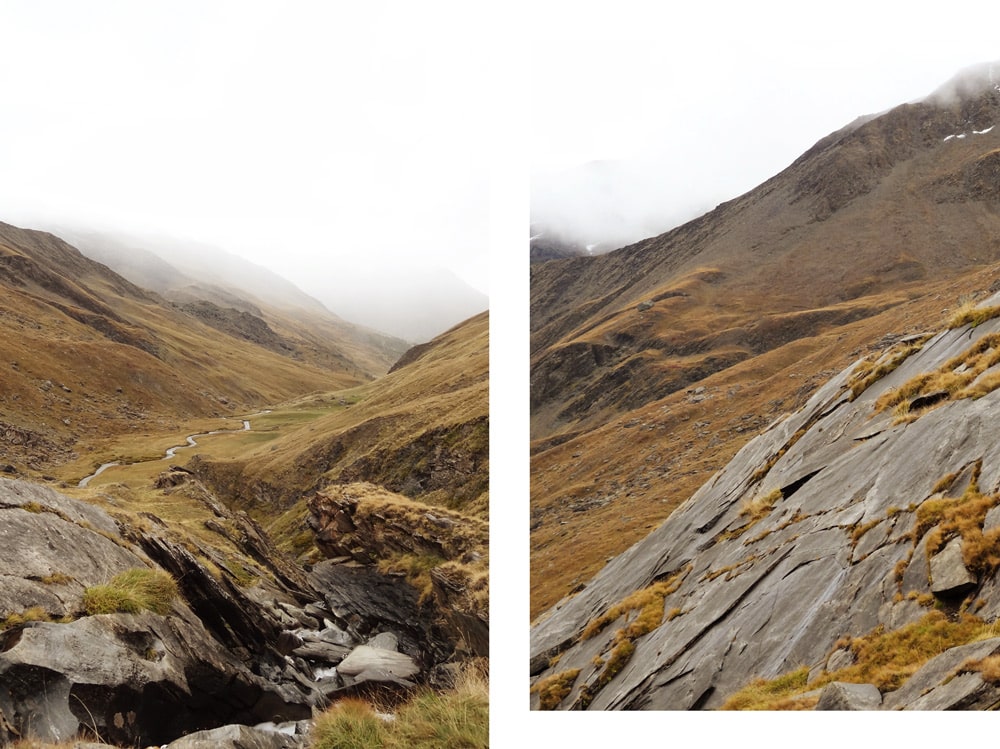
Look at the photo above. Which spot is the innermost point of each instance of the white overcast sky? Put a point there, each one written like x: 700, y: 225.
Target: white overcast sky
x: 297, y: 134
x: 696, y: 104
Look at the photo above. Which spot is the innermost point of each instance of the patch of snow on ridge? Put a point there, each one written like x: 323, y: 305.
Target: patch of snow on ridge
x: 974, y: 132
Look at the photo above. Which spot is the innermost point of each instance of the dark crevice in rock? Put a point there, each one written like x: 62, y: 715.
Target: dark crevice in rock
x: 703, y: 699
x: 790, y: 489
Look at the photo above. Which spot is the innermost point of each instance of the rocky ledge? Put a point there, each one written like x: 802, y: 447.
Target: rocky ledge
x: 216, y: 661
x: 872, y: 511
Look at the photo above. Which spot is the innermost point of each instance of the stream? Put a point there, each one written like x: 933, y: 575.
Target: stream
x: 190, y: 441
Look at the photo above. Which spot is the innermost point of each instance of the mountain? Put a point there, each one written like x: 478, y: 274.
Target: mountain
x: 189, y: 272
x: 845, y: 558
x: 683, y: 345
x: 217, y: 524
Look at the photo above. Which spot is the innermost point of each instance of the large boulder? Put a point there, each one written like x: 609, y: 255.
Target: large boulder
x: 129, y: 678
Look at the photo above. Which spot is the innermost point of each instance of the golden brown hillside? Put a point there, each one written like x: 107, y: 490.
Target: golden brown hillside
x: 652, y: 364
x: 89, y: 356
x: 421, y: 431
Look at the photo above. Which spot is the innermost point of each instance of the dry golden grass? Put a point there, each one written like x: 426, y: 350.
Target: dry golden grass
x: 961, y: 517
x: 132, y: 591
x: 959, y: 377
x: 885, y: 659
x: 870, y: 371
x: 763, y: 694
x: 647, y: 603
x: 552, y: 690
x: 969, y: 313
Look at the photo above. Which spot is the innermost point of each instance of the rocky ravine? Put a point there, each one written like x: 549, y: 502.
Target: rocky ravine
x: 851, y: 514
x: 223, y: 657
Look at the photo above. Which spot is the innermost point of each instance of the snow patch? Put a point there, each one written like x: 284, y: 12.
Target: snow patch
x: 983, y: 132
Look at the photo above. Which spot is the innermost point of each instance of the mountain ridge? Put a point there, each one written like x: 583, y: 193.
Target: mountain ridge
x: 874, y: 230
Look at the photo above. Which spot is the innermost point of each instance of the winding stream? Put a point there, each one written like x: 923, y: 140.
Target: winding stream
x: 190, y: 441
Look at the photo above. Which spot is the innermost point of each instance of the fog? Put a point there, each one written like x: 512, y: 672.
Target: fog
x: 305, y: 137
x: 630, y: 137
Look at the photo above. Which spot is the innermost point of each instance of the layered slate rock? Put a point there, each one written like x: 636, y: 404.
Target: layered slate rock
x: 839, y: 695
x: 813, y: 532
x: 949, y: 575
x: 221, y: 654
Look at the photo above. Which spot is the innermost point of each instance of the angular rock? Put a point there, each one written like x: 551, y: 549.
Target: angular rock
x: 366, y: 658
x: 839, y: 695
x: 131, y: 678
x: 236, y: 737
x: 949, y: 575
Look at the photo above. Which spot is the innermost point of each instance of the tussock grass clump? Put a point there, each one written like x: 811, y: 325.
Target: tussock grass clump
x: 553, y: 689
x: 870, y: 372
x: 132, y: 591
x: 350, y: 724
x: 763, y: 694
x: 962, y: 517
x: 755, y: 510
x: 888, y: 659
x: 959, y: 377
x: 457, y: 719
x: 32, y: 614
x: 648, y: 602
x: 885, y: 659
x: 969, y: 313
x: 988, y: 668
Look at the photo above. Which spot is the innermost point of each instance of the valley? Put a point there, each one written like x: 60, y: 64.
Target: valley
x: 675, y: 380
x: 314, y: 498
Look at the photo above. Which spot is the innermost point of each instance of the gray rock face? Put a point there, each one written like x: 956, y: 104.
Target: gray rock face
x: 834, y: 557
x: 949, y: 576
x: 839, y: 695
x: 224, y: 654
x: 236, y: 737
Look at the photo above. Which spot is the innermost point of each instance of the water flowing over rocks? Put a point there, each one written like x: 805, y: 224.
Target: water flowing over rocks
x: 827, y: 525
x: 225, y: 664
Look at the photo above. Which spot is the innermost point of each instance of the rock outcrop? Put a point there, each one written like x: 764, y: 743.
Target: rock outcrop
x: 222, y: 656
x: 851, y: 516
x: 365, y: 524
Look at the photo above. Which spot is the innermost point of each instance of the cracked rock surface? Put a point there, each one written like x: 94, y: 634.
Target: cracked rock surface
x: 805, y: 537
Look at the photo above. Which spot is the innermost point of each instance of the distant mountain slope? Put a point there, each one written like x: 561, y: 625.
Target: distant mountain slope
x: 422, y: 431
x: 188, y: 272
x: 699, y: 336
x: 88, y: 354
x: 851, y: 541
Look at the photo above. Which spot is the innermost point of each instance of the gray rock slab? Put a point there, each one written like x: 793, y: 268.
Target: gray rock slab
x: 236, y: 737
x: 949, y: 575
x: 839, y: 695
x: 384, y: 641
x: 324, y: 652
x: 935, y: 687
x: 14, y: 492
x: 366, y: 658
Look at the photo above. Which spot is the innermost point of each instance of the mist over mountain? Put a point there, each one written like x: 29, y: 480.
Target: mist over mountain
x: 805, y: 360
x: 413, y: 303
x: 602, y: 205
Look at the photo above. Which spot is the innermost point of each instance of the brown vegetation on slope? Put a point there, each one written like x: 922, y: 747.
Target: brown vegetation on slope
x: 874, y: 231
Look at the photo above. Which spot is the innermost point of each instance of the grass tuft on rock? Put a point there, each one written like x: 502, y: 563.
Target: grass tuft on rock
x: 456, y: 719
x: 132, y: 591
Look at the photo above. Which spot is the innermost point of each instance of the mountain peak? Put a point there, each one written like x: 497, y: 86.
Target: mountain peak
x: 968, y: 83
